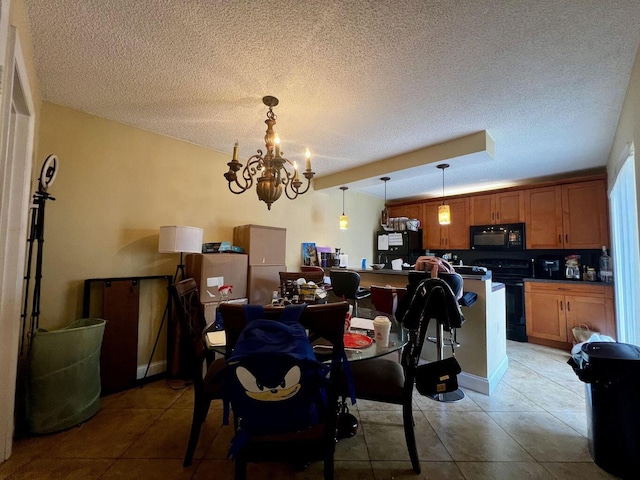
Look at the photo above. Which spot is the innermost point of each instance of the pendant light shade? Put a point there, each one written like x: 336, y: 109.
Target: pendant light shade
x: 384, y: 216
x: 344, y: 221
x: 444, y: 215
x: 444, y: 212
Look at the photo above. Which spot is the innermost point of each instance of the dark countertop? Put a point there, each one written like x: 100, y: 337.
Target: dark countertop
x: 563, y: 280
x: 405, y: 273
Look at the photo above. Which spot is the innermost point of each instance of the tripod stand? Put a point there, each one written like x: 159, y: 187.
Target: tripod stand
x: 36, y: 234
x: 167, y: 312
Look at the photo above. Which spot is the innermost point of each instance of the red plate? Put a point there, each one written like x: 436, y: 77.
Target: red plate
x: 356, y: 340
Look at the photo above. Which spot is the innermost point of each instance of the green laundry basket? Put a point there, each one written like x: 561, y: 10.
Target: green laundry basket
x: 64, y: 376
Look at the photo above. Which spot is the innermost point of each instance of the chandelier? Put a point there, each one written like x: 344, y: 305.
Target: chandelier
x: 271, y: 172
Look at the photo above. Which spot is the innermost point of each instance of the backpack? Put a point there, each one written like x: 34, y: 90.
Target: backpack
x: 274, y: 384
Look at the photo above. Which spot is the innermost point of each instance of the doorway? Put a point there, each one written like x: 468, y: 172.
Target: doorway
x: 16, y: 149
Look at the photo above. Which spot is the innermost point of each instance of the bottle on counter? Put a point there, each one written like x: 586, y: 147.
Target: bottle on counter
x: 606, y: 268
x: 364, y: 264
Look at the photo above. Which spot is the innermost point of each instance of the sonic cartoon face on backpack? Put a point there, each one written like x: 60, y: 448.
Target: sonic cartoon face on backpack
x: 272, y: 387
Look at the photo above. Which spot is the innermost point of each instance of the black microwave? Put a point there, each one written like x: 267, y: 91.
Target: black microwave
x: 506, y: 237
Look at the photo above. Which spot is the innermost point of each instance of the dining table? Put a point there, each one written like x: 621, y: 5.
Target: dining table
x: 361, y: 347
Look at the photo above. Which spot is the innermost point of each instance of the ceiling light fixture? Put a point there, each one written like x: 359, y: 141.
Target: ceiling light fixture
x: 384, y: 217
x: 444, y: 212
x: 277, y: 174
x: 344, y: 221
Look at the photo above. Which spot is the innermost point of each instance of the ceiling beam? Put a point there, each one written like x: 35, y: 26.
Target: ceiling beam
x: 470, y: 144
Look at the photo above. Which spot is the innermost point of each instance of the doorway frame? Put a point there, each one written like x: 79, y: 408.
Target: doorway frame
x: 17, y: 130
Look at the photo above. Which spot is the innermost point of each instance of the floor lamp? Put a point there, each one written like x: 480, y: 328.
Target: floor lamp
x: 176, y: 239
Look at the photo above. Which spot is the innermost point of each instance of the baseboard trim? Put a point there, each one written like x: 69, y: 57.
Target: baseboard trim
x: 481, y: 384
x: 155, y: 368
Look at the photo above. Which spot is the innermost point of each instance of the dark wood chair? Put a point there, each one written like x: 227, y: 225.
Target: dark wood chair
x: 346, y: 284
x: 190, y: 315
x: 385, y: 380
x: 386, y: 299
x: 317, y: 443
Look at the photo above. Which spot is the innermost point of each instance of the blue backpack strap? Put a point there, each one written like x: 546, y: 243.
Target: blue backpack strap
x: 292, y: 313
x: 348, y: 376
x: 253, y: 312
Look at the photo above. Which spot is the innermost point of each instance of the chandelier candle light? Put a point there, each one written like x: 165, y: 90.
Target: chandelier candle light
x: 444, y: 213
x: 272, y: 172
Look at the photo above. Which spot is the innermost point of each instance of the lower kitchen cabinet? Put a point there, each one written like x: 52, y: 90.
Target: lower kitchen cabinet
x: 553, y: 309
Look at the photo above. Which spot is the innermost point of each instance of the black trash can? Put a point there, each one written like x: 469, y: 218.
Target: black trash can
x: 611, y: 372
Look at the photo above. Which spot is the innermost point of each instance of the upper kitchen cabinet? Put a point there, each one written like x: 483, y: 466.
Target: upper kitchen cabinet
x: 584, y: 214
x: 454, y: 236
x: 496, y: 208
x: 410, y: 211
x: 570, y: 216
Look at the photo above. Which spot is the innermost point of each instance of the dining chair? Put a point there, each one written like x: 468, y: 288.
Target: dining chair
x: 386, y: 299
x: 206, y: 386
x: 385, y: 380
x: 324, y: 321
x: 346, y: 285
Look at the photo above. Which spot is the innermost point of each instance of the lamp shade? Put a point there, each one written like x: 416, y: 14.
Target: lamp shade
x: 180, y: 239
x: 444, y: 215
x: 344, y: 222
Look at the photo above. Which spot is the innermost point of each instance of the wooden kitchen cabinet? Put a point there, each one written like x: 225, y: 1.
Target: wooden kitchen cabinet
x: 413, y: 210
x: 570, y: 216
x: 553, y: 309
x: 584, y: 214
x: 454, y: 236
x: 497, y: 208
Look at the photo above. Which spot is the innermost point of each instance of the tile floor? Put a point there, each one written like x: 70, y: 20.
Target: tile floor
x: 533, y: 426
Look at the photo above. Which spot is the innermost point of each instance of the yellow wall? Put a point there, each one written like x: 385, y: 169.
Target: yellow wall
x: 117, y: 184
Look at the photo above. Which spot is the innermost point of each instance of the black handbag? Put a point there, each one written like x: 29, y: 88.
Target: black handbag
x: 436, y: 377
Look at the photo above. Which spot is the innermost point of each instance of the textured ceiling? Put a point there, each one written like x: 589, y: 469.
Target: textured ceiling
x: 358, y: 81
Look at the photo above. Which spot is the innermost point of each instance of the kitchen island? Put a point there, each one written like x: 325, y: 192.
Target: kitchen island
x: 483, y: 338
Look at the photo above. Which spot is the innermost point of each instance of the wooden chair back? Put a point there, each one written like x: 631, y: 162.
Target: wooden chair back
x: 324, y: 321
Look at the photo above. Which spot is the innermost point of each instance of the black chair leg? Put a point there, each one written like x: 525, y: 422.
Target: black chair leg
x: 200, y: 410
x: 240, y: 468
x: 410, y: 437
x: 328, y: 469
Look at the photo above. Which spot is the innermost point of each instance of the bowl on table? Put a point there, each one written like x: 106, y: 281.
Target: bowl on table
x: 377, y: 266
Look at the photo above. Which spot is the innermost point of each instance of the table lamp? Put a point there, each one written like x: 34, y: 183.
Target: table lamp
x: 180, y: 239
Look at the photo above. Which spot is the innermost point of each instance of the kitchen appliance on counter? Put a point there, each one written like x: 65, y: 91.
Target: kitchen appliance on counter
x: 572, y: 267
x: 509, y: 237
x: 550, y: 267
x: 405, y: 245
x: 512, y: 273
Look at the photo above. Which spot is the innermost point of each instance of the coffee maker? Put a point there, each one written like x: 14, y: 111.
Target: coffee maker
x: 572, y: 267
x: 549, y: 266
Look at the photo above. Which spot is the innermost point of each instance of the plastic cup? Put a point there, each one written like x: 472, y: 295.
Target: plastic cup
x: 381, y: 330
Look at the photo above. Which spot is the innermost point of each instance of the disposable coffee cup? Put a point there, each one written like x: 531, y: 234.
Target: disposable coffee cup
x: 347, y: 319
x: 381, y: 330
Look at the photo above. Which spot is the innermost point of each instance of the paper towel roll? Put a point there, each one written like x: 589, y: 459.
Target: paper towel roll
x: 344, y: 260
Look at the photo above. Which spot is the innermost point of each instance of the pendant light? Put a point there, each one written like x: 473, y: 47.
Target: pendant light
x: 344, y: 221
x: 384, y: 217
x: 444, y: 213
